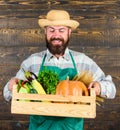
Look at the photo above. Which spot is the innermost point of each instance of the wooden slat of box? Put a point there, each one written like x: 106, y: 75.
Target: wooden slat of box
x: 54, y: 105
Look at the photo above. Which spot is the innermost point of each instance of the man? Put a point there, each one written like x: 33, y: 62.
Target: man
x: 58, y: 27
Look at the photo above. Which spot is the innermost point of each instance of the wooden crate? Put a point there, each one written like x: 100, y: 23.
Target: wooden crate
x: 54, y: 105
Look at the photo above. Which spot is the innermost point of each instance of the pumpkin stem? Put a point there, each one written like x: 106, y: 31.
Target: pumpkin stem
x: 67, y: 78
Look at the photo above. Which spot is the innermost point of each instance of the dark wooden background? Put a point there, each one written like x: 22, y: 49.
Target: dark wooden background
x: 98, y: 36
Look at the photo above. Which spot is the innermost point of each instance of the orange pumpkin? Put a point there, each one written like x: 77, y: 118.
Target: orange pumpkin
x: 75, y: 88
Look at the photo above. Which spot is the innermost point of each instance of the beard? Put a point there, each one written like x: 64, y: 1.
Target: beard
x: 57, y: 49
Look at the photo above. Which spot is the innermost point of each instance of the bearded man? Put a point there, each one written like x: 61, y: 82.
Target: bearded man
x: 65, y: 62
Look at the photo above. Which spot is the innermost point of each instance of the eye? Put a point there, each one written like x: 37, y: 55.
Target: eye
x: 62, y: 30
x: 51, y: 30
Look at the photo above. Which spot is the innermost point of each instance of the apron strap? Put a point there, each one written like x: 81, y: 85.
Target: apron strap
x: 41, y: 67
x: 73, y: 61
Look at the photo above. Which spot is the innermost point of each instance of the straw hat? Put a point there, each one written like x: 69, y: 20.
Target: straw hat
x: 56, y: 18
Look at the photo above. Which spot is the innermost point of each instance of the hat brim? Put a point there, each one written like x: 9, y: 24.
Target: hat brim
x: 70, y: 23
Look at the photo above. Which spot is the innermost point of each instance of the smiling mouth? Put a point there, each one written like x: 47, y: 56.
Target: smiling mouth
x: 56, y: 41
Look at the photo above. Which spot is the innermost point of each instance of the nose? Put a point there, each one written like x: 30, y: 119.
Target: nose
x: 56, y: 32
x: 56, y: 35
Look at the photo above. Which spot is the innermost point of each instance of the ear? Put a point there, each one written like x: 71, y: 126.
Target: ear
x: 70, y: 30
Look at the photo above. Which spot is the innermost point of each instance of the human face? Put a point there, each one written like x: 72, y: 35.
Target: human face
x: 57, y: 38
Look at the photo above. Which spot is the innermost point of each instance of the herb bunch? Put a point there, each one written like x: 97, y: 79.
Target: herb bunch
x: 49, y: 80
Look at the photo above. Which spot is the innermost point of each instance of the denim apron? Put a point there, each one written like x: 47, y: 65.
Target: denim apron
x: 52, y: 122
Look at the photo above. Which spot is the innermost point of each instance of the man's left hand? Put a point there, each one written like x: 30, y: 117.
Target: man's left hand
x: 96, y: 85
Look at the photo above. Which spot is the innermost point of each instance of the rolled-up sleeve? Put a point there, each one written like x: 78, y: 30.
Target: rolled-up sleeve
x: 108, y: 89
x: 6, y: 93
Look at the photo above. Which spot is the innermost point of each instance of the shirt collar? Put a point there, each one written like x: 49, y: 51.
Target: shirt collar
x: 65, y: 56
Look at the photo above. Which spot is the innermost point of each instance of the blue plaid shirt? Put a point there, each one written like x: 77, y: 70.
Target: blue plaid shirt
x: 82, y: 62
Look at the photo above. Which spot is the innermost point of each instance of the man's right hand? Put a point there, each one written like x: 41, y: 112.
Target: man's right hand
x: 12, y: 82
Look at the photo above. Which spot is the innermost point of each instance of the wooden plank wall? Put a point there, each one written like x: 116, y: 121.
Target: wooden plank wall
x: 98, y: 36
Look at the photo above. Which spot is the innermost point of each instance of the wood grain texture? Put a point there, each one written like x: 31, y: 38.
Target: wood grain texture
x: 54, y: 105
x: 98, y: 36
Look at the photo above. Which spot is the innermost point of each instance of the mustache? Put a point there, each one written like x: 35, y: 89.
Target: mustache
x: 60, y: 39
